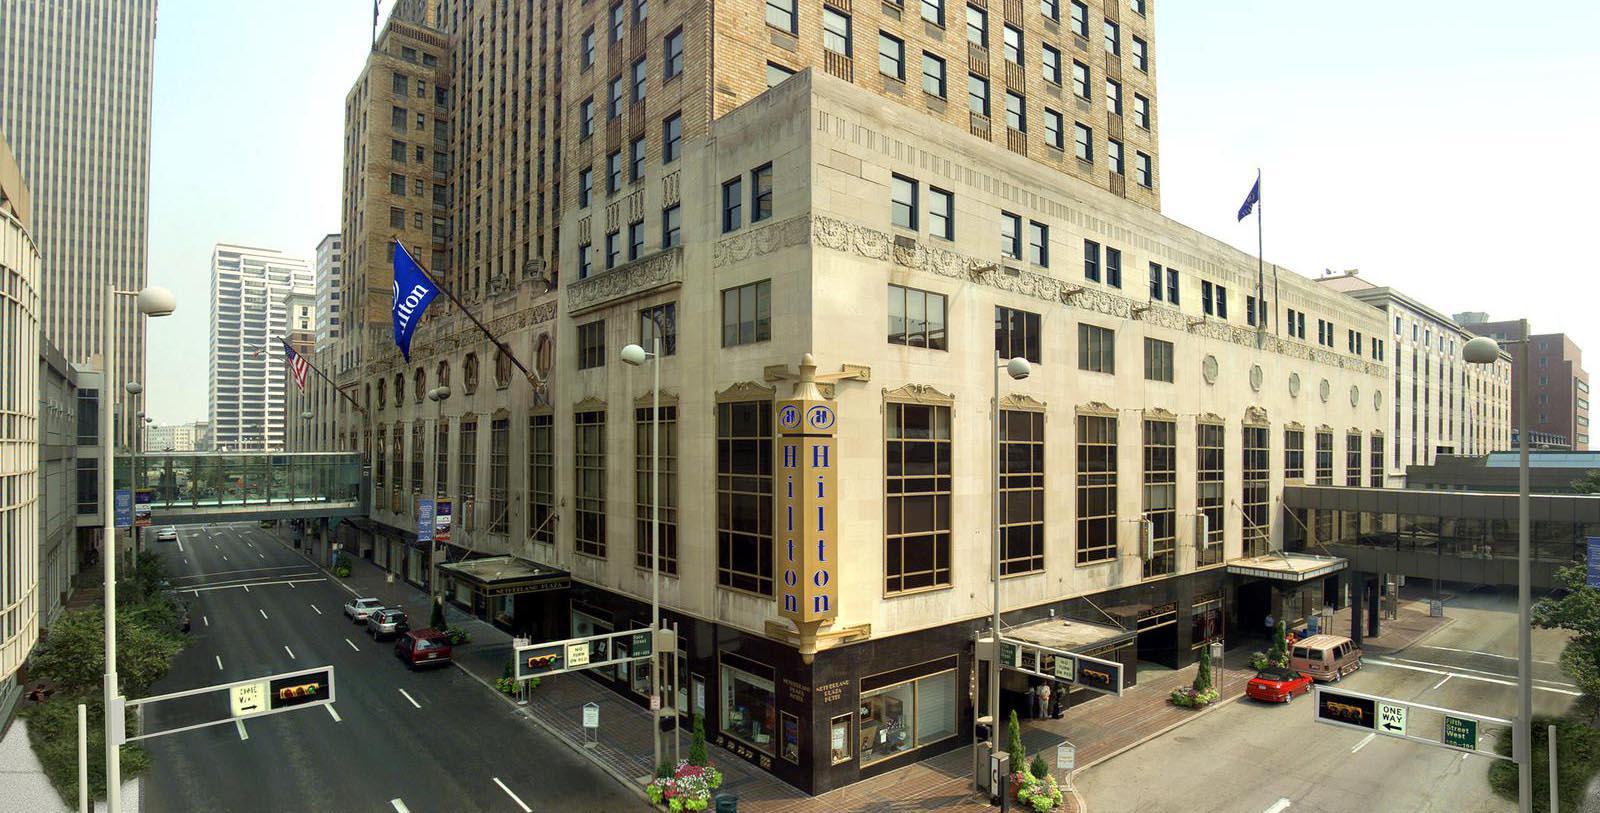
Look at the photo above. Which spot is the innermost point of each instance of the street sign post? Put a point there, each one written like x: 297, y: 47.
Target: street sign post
x: 239, y: 700
x: 1458, y: 731
x: 1392, y: 719
x: 1085, y: 671
x: 591, y: 725
x: 124, y: 508
x: 555, y: 657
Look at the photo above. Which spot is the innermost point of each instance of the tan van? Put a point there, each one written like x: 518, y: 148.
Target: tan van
x: 1325, y: 657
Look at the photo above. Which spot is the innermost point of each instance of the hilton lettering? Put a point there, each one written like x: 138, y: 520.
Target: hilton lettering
x: 408, y: 306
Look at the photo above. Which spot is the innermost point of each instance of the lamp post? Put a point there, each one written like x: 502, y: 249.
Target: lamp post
x: 635, y: 355
x: 150, y: 302
x: 437, y: 395
x: 1484, y: 350
x: 1018, y: 368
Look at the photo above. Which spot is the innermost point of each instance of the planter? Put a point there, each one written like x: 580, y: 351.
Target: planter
x: 688, y: 789
x: 1029, y: 792
x: 1190, y: 699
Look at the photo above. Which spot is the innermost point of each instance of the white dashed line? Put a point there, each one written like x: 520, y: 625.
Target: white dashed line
x: 1382, y: 662
x: 400, y: 806
x: 243, y: 735
x: 290, y: 651
x: 314, y: 607
x: 1279, y: 806
x: 352, y: 646
x: 1441, y: 682
x: 514, y: 798
x: 180, y: 550
x: 263, y: 613
x: 336, y: 717
x: 246, y: 587
x: 1363, y: 743
x: 409, y: 697
x: 206, y: 620
x: 219, y: 663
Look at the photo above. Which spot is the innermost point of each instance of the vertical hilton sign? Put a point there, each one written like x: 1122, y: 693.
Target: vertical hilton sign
x: 808, y: 513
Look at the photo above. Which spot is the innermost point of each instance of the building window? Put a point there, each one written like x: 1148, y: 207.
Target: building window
x: 614, y: 100
x: 1051, y: 9
x: 1016, y: 333
x: 891, y: 57
x: 1012, y: 38
x: 1080, y: 18
x: 978, y: 27
x: 1294, y: 454
x: 1050, y: 60
x: 618, y: 16
x: 672, y: 52
x: 1010, y: 236
x: 1113, y: 97
x: 1113, y: 38
x: 1022, y: 492
x: 918, y: 488
x: 749, y: 706
x: 933, y: 12
x: 776, y: 74
x: 1016, y: 112
x: 932, y: 75
x: 613, y: 249
x: 467, y: 460
x: 1214, y: 299
x: 1113, y: 267
x: 1080, y: 80
x: 1097, y: 489
x: 1141, y: 170
x: 907, y: 715
x: 1375, y: 461
x: 541, y: 479
x: 1114, y: 156
x: 781, y: 15
x: 417, y: 458
x: 586, y: 53
x: 1257, y: 463
x: 614, y: 172
x: 835, y: 31
x: 978, y: 94
x: 441, y: 458
x: 1053, y: 125
x: 635, y: 239
x: 397, y: 184
x: 941, y: 213
x: 903, y: 202
x: 585, y: 118
x: 1209, y: 492
x: 640, y: 80
x: 660, y: 321
x: 1160, y: 497
x: 1157, y: 360
x: 499, y: 473
x: 379, y: 469
x: 916, y: 318
x: 1091, y: 261
x: 1083, y: 142
x: 732, y: 204
x: 1141, y: 111
x: 671, y: 137
x: 1324, y: 458
x: 671, y: 225
x: 1097, y: 349
x: 761, y: 193
x: 589, y: 451
x: 668, y: 512
x: 747, y: 314
x: 1352, y: 459
x: 636, y: 160
x: 585, y: 187
x: 585, y: 261
x: 744, y: 496
x: 1038, y: 244
x: 592, y: 344
x: 1141, y: 55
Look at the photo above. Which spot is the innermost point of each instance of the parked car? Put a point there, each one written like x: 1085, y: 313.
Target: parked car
x: 359, y: 608
x: 424, y: 647
x: 386, y: 622
x: 1277, y: 685
x: 167, y: 534
x: 1325, y: 657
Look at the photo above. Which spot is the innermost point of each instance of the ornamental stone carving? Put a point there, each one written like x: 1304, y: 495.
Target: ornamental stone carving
x: 668, y: 398
x: 918, y: 394
x: 589, y: 404
x: 669, y: 189
x: 1159, y: 414
x: 1022, y: 403
x: 1209, y: 417
x: 1097, y: 408
x: 1255, y: 416
x: 659, y: 270
x: 760, y: 241
x: 746, y: 391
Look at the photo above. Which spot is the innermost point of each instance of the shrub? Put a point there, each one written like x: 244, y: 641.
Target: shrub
x: 697, y: 743
x: 1202, y: 675
x: 1578, y: 748
x: 1189, y: 698
x: 1258, y: 661
x: 1038, y: 767
x: 457, y: 636
x: 53, y: 732
x: 1014, y: 743
x: 436, y: 618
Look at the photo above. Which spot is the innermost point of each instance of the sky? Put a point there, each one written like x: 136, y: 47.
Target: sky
x: 1447, y: 149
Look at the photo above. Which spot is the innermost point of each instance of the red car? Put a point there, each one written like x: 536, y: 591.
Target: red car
x: 424, y: 647
x: 1277, y: 685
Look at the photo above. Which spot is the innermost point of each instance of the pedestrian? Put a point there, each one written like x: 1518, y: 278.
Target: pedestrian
x: 1044, y: 700
x: 1056, y: 712
x: 1272, y: 624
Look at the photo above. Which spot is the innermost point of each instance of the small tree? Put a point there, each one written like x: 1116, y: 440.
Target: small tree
x: 436, y: 619
x: 1578, y: 610
x: 1014, y: 743
x: 1279, y: 656
x: 1588, y: 484
x: 697, y: 744
x: 1038, y: 767
x: 1202, y: 676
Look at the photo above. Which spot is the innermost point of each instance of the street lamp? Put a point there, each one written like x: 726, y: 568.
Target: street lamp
x: 1017, y: 368
x: 150, y: 302
x: 1484, y: 350
x: 634, y: 356
x: 437, y: 395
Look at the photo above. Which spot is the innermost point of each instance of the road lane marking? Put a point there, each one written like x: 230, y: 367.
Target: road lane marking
x: 400, y: 806
x: 1382, y: 662
x: 1363, y: 743
x: 263, y: 614
x: 219, y: 663
x: 335, y: 714
x: 185, y: 561
x: 198, y: 590
x: 514, y: 797
x: 314, y: 607
x: 246, y: 587
x: 206, y: 620
x: 1440, y: 683
x: 1480, y: 671
x: 262, y: 555
x: 1279, y: 806
x: 242, y: 570
x: 243, y: 735
x: 408, y: 696
x: 180, y: 550
x: 290, y: 651
x: 352, y: 646
x: 1481, y: 652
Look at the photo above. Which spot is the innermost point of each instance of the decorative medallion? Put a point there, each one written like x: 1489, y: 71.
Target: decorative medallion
x: 1208, y: 369
x: 544, y: 355
x: 1324, y: 390
x: 1294, y: 385
x: 1377, y: 400
x: 1355, y: 395
x: 502, y: 370
x: 1256, y: 377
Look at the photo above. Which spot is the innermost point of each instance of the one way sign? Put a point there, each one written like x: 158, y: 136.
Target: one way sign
x: 1392, y: 719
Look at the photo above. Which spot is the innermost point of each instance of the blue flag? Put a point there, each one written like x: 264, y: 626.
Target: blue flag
x: 1251, y: 199
x: 412, y: 293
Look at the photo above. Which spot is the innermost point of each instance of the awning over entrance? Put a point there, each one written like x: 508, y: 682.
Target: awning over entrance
x: 1288, y: 567
x: 1069, y: 635
x: 507, y: 576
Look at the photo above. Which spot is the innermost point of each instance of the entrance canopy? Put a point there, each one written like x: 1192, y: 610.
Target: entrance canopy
x: 1292, y: 568
x: 507, y: 576
x: 1069, y: 635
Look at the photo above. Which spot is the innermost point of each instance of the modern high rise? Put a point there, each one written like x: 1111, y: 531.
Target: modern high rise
x: 249, y: 316
x: 1439, y: 404
x: 330, y: 293
x: 1560, y: 395
x: 75, y: 84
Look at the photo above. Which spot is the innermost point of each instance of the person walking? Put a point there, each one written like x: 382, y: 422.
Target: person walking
x: 1044, y: 701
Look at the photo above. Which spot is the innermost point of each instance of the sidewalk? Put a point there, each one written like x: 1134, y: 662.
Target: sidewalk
x: 1412, y: 625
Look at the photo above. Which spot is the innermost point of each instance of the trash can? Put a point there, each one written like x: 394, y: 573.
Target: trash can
x: 726, y: 803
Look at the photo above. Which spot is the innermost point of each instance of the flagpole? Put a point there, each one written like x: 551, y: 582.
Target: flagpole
x: 375, y: 4
x: 500, y: 345
x: 1261, y: 269
x: 324, y: 376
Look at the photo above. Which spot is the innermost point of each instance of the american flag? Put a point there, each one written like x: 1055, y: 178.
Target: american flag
x: 298, y: 366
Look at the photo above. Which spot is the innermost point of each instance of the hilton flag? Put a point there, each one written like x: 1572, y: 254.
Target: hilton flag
x: 298, y: 366
x: 412, y: 293
x: 1251, y: 199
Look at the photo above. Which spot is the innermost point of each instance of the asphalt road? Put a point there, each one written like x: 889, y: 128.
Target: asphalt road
x: 393, y: 740
x: 1251, y: 757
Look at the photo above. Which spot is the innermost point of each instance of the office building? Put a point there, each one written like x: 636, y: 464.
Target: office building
x: 182, y: 437
x: 1560, y: 394
x: 250, y: 288
x: 75, y: 84
x: 329, y: 289
x: 59, y: 555
x: 1441, y: 404
x: 300, y: 313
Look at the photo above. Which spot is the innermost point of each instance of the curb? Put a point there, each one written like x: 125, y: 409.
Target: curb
x: 1142, y: 740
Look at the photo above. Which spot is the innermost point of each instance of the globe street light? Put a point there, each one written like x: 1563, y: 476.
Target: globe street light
x: 437, y: 395
x: 635, y: 356
x: 152, y: 301
x: 1018, y: 369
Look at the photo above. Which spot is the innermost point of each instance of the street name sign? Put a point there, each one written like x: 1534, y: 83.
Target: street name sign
x: 1460, y: 732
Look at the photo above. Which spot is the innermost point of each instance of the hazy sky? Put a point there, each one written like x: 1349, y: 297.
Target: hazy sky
x: 1444, y: 148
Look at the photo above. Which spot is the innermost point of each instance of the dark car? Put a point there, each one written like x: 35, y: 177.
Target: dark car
x: 387, y: 622
x: 1277, y: 685
x: 424, y: 647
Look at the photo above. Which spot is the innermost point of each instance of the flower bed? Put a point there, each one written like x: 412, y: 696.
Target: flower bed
x: 689, y: 787
x: 1188, y: 698
x: 1038, y: 794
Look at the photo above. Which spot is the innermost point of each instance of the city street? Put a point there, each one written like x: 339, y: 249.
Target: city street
x: 394, y: 740
x: 1249, y: 756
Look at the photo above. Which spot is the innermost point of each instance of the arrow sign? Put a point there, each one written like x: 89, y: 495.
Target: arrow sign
x: 1392, y: 719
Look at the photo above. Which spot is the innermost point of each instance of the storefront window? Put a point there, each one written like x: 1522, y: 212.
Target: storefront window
x: 749, y: 708
x: 908, y: 715
x: 1206, y: 618
x: 839, y: 738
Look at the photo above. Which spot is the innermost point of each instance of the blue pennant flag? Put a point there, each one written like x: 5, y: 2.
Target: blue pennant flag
x: 1251, y: 199
x: 412, y: 293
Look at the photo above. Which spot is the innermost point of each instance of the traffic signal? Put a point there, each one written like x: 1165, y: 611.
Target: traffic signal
x: 299, y: 690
